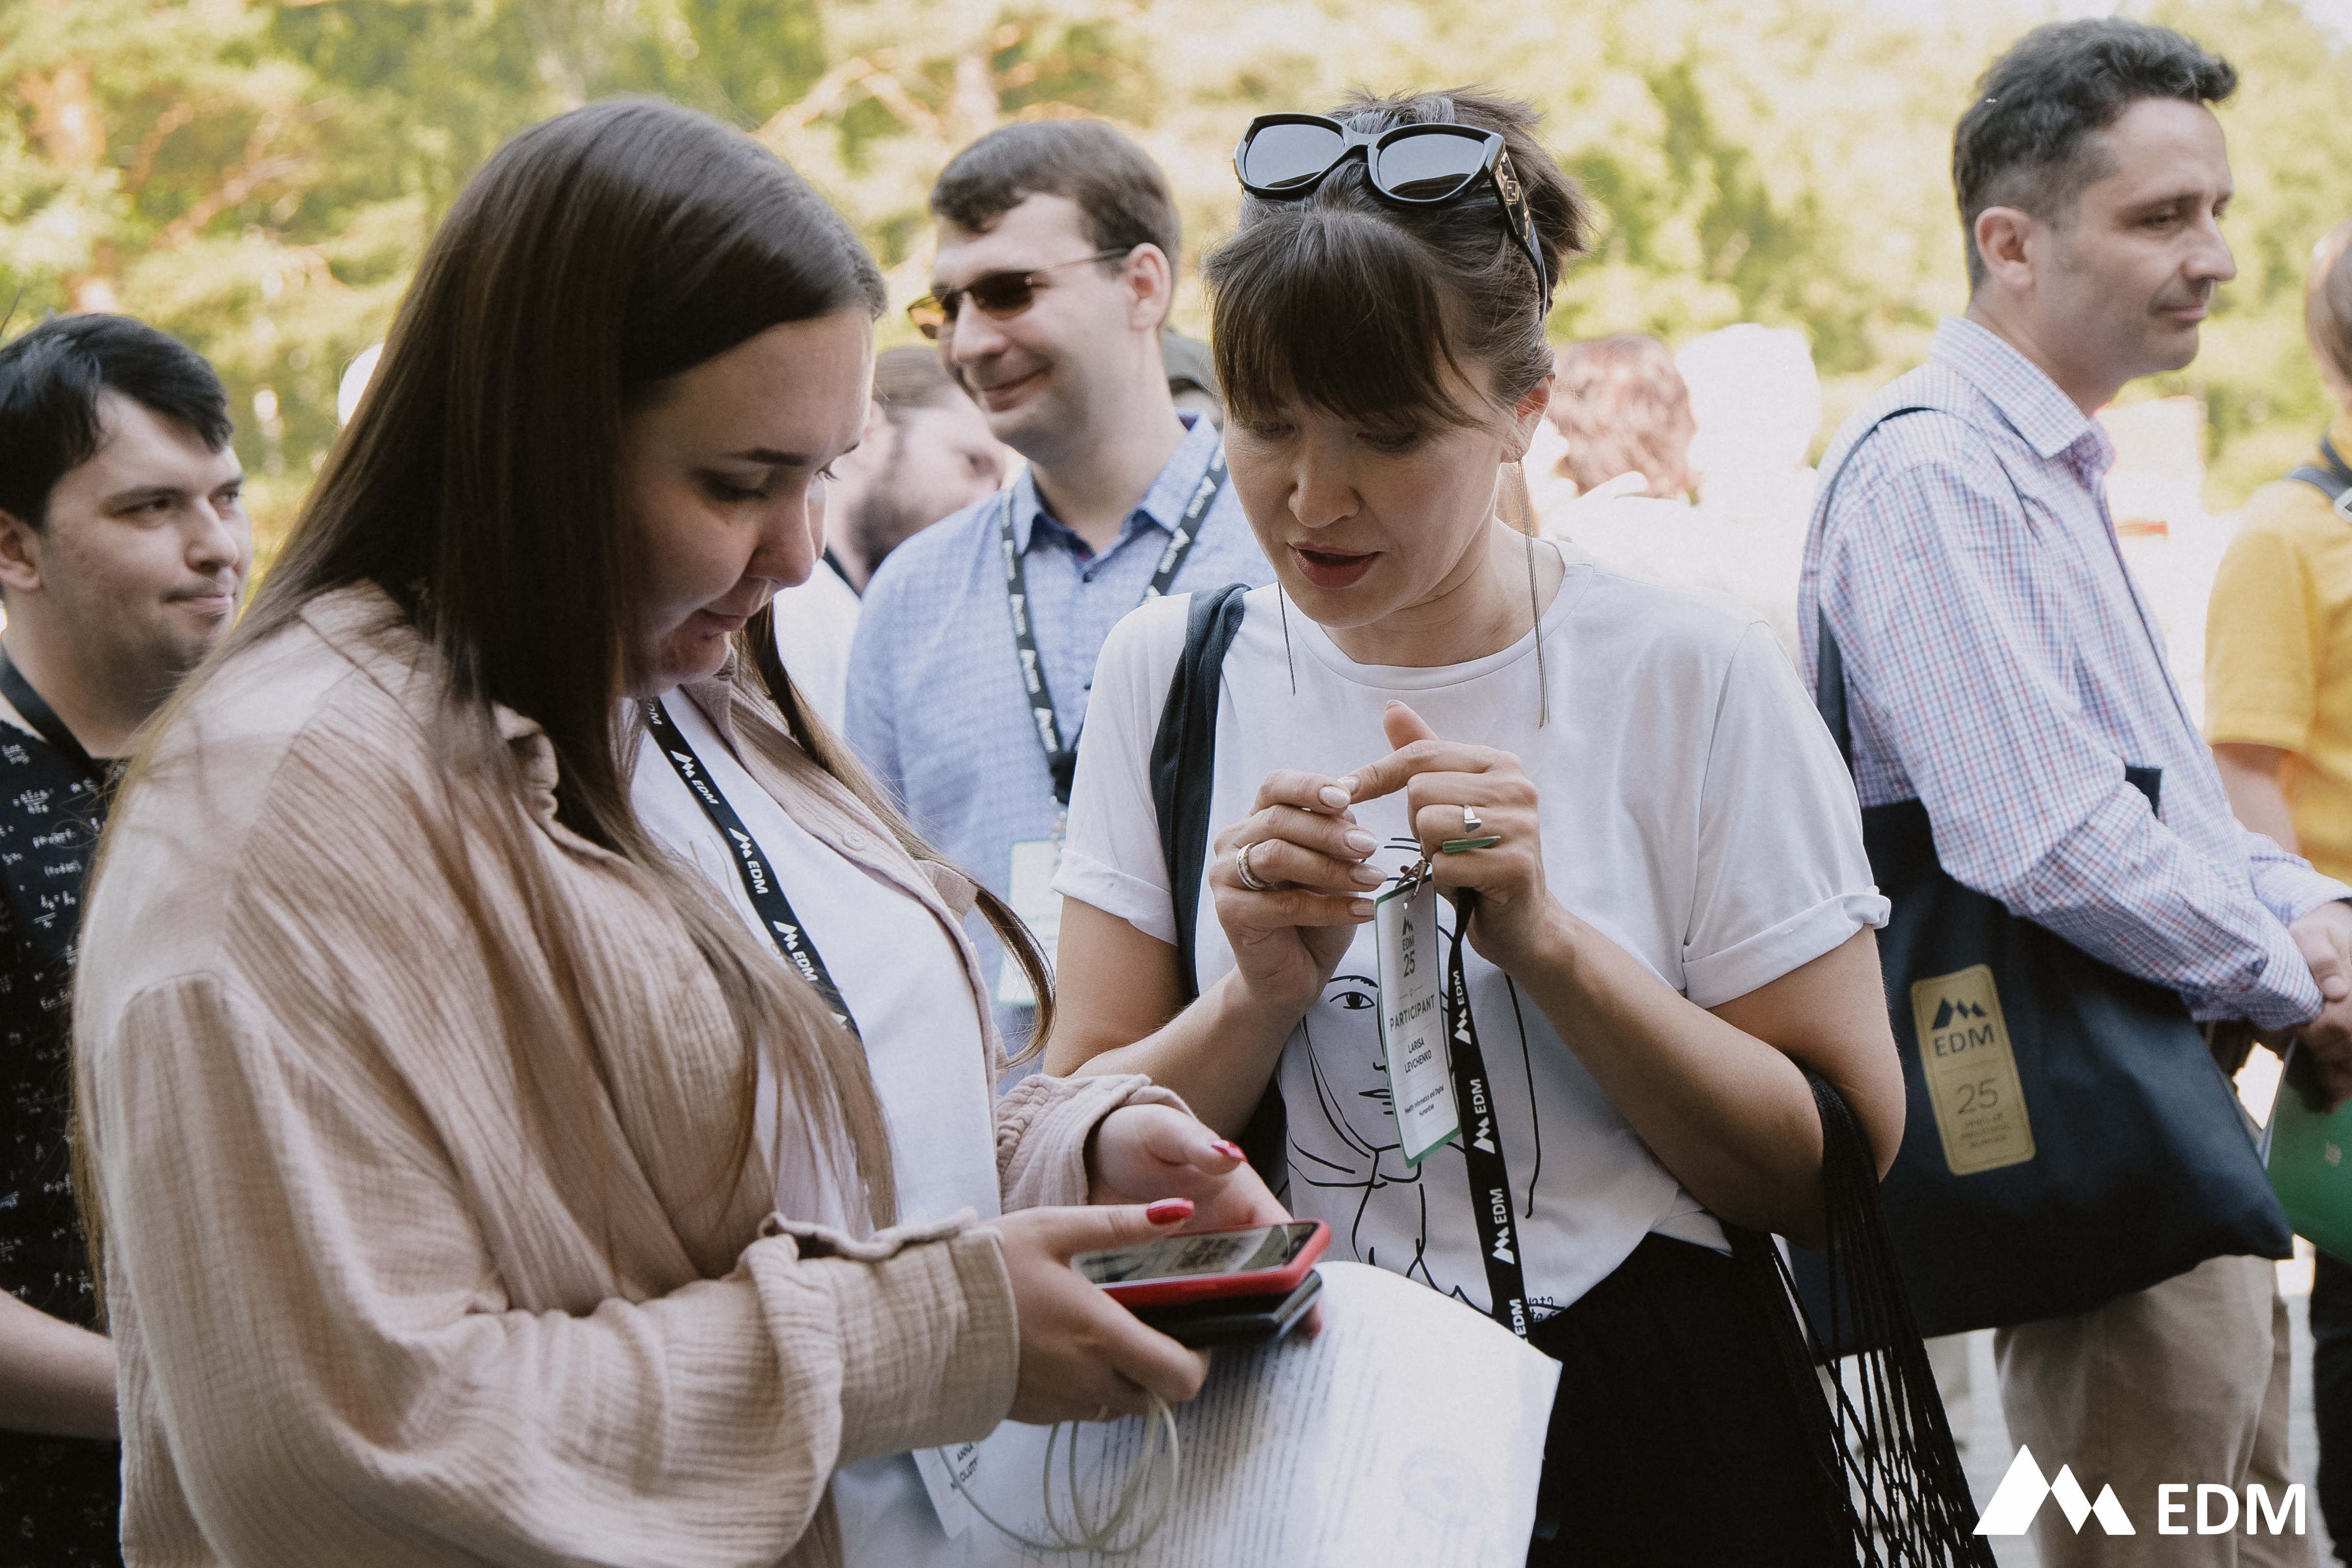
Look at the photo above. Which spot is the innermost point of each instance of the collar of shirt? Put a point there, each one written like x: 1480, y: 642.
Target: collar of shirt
x: 2044, y: 417
x: 1160, y: 508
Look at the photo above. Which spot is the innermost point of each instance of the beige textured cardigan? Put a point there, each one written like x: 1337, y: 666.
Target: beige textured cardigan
x: 360, y: 1319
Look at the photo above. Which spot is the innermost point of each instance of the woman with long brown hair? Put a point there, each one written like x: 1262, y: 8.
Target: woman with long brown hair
x: 1621, y: 790
x: 535, y: 1093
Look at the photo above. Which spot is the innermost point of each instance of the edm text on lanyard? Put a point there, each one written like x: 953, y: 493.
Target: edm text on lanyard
x: 1059, y: 740
x: 751, y: 864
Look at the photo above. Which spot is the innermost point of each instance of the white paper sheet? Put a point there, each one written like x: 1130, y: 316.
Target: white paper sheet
x: 1411, y: 1431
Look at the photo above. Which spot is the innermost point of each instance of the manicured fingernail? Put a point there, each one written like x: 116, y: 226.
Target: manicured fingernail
x: 1362, y: 843
x: 1229, y: 1148
x: 1348, y: 783
x: 1169, y: 1211
x: 1361, y: 909
x: 1367, y: 875
x: 1333, y: 796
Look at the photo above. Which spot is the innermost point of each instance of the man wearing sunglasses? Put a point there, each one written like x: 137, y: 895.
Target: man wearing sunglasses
x: 976, y: 642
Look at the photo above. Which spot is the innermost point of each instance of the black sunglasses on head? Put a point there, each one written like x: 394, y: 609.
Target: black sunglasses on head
x: 1001, y: 296
x: 1282, y: 157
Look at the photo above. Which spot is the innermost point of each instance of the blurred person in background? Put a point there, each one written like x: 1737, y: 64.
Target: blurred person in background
x: 1627, y: 437
x: 976, y: 644
x: 123, y: 550
x: 2001, y: 671
x: 925, y: 452
x: 1756, y: 399
x: 1622, y: 406
x: 538, y: 1092
x: 2278, y: 711
x: 1192, y: 376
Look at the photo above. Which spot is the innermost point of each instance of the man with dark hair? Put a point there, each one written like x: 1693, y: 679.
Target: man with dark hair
x: 123, y: 550
x: 2001, y: 670
x: 977, y: 639
x: 927, y: 453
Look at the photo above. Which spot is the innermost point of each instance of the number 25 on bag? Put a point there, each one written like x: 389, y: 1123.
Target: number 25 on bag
x: 1971, y: 1071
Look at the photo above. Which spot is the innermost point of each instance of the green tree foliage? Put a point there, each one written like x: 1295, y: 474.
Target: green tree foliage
x: 260, y: 175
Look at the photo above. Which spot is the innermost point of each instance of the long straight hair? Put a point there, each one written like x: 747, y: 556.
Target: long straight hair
x: 593, y: 257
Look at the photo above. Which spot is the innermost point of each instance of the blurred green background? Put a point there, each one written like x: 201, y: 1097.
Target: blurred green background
x: 260, y: 175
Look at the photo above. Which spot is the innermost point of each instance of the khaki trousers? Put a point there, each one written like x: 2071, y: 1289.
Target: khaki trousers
x: 2185, y: 1382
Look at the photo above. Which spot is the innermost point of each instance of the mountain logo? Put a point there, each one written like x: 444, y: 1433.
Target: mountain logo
x: 1950, y: 1010
x: 2022, y: 1491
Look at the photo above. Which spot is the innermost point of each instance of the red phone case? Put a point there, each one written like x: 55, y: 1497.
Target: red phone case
x: 1208, y: 1287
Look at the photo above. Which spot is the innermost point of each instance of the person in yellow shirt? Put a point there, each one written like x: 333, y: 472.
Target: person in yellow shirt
x: 2278, y: 637
x: 2278, y: 713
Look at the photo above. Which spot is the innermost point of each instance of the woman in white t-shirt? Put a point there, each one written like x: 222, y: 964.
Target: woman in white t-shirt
x: 1674, y: 909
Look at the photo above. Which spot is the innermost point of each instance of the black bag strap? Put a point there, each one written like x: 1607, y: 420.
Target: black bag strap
x: 1183, y: 760
x: 1184, y: 777
x: 2333, y: 479
x: 1829, y: 675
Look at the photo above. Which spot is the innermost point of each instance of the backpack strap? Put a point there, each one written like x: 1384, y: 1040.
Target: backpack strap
x: 1184, y: 760
x: 2331, y: 481
x: 1184, y: 776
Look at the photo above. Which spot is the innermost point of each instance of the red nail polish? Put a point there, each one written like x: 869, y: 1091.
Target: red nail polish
x: 1169, y: 1211
x: 1228, y: 1148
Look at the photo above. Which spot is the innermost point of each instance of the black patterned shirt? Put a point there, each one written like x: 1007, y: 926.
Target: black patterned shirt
x: 60, y: 1498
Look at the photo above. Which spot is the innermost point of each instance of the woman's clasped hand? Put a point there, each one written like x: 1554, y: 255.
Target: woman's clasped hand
x: 1304, y: 841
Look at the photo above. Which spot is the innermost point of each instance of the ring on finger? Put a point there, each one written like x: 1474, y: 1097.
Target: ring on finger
x: 1102, y: 1413
x: 1242, y: 869
x: 1473, y: 825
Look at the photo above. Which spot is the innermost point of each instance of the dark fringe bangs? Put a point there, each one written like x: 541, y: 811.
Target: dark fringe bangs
x: 1337, y: 309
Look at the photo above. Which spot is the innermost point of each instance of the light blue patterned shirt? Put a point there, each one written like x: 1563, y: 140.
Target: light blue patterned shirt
x: 2002, y: 668
x: 937, y: 706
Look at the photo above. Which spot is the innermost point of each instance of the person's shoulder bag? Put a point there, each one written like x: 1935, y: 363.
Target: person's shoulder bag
x: 2068, y: 1137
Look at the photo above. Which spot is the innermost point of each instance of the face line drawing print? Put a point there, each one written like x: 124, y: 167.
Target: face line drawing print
x: 1354, y: 1159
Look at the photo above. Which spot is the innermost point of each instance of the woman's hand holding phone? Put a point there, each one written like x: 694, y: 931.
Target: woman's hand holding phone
x: 1082, y: 1353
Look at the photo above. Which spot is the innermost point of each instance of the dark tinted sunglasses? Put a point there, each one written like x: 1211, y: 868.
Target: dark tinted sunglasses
x: 1001, y: 296
x: 1284, y: 156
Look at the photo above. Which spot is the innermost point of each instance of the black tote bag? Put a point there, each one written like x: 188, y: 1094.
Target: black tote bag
x: 2069, y: 1138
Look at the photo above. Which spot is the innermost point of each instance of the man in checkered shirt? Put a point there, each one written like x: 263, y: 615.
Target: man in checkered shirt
x: 2003, y: 669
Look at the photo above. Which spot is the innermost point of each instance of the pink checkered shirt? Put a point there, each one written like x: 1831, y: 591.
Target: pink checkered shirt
x: 2002, y: 668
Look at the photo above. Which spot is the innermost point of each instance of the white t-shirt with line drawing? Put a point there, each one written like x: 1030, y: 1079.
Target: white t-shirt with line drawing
x: 1694, y: 809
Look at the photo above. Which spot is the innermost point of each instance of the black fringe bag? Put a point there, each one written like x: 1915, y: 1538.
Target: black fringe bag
x: 1890, y: 1475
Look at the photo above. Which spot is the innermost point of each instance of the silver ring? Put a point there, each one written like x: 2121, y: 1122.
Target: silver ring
x: 1471, y: 824
x: 1242, y: 869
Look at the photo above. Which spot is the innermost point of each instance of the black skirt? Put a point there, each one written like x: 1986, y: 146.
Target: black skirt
x: 1676, y: 1438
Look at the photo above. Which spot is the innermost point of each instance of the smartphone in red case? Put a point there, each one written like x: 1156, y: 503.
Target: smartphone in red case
x: 1257, y: 1260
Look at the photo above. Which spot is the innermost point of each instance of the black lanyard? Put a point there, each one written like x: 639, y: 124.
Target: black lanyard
x: 752, y: 863
x: 1481, y: 1140
x: 37, y: 712
x: 1061, y: 746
